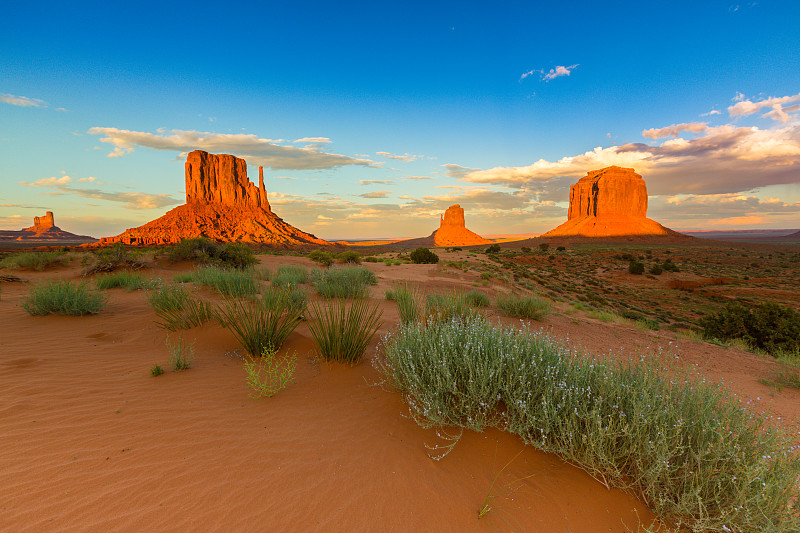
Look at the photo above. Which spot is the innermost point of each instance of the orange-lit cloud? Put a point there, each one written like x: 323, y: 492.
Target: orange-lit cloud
x: 21, y: 101
x: 674, y: 130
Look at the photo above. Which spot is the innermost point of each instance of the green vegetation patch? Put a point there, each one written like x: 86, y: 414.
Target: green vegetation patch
x: 63, y: 298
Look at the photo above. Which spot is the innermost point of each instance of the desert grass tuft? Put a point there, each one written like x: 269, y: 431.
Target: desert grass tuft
x: 409, y: 302
x: 476, y: 298
x: 269, y: 374
x: 168, y: 297
x: 289, y: 275
x: 194, y: 312
x: 33, y: 260
x: 262, y: 324
x: 342, y: 329
x: 156, y: 371
x: 447, y: 307
x: 347, y: 282
x: 532, y: 307
x: 181, y: 356
x: 63, y: 298
x: 698, y: 456
x: 124, y: 278
x: 228, y: 282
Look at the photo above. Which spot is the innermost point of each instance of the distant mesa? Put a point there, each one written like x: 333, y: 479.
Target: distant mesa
x: 610, y: 202
x: 452, y: 232
x: 44, y: 232
x: 222, y: 204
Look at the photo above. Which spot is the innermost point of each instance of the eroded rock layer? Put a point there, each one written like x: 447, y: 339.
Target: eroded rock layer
x: 44, y: 231
x: 453, y: 230
x: 221, y: 204
x: 610, y: 202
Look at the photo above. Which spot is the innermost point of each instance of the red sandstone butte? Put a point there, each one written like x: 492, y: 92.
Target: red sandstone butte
x: 610, y: 202
x: 44, y: 231
x: 42, y: 224
x: 453, y: 230
x: 221, y: 204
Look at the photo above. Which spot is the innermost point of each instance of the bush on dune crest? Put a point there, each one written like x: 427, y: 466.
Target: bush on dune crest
x: 63, y: 298
x: 692, y: 452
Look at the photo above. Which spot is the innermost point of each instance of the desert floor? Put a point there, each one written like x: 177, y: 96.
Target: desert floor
x: 92, y: 442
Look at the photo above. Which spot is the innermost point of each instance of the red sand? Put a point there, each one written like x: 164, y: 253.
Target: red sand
x: 92, y: 442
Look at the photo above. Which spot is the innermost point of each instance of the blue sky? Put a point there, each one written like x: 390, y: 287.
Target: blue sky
x: 371, y: 119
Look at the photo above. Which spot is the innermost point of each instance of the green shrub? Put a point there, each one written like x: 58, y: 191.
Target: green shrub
x: 493, y: 249
x: 156, y: 371
x: 343, y: 330
x: 371, y: 259
x: 347, y: 282
x: 289, y: 275
x: 687, y: 447
x: 262, y: 324
x: 192, y: 313
x: 269, y: 374
x: 477, y: 299
x: 423, y: 256
x: 33, y: 260
x: 669, y: 266
x: 205, y: 251
x: 124, y: 278
x: 261, y: 273
x: 656, y: 270
x: 543, y: 247
x: 531, y: 307
x: 63, y: 298
x: 769, y: 326
x: 167, y: 297
x: 349, y: 256
x: 525, y: 249
x: 180, y: 355
x: 234, y: 283
x: 561, y: 248
x: 321, y: 257
x: 110, y: 258
x: 635, y: 267
x: 447, y: 307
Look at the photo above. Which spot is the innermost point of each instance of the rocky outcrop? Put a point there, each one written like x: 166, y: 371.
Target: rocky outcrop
x: 221, y: 204
x: 41, y: 224
x: 452, y: 232
x: 610, y: 202
x: 44, y: 231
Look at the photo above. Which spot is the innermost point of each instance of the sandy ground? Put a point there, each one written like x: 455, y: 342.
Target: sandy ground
x: 89, y: 441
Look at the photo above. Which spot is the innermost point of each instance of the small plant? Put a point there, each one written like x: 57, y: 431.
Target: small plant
x: 669, y: 266
x: 261, y: 273
x: 343, y: 330
x: 409, y: 302
x: 194, y: 312
x: 63, y: 298
x: 263, y: 324
x: 477, y: 298
x: 543, y: 247
x: 289, y: 275
x: 111, y: 258
x: 525, y: 249
x: 656, y: 270
x: 124, y: 278
x: 531, y: 307
x: 423, y: 256
x: 371, y: 259
x: 350, y: 256
x: 493, y: 249
x: 156, y: 371
x: 347, y: 282
x: 561, y: 248
x: 448, y: 307
x: 33, y: 260
x: 180, y: 355
x: 269, y: 374
x: 769, y: 327
x: 635, y: 267
x: 167, y: 298
x: 235, y: 283
x: 208, y: 252
x: 505, y: 490
x: 321, y: 257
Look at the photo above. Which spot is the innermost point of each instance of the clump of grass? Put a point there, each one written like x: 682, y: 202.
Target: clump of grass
x: 262, y: 324
x: 269, y: 374
x: 33, y: 260
x: 347, y: 282
x: 532, y: 307
x: 477, y: 298
x: 193, y: 312
x: 349, y: 256
x: 205, y: 251
x: 108, y: 259
x: 447, y: 307
x: 321, y: 257
x: 686, y: 446
x: 167, y: 298
x: 409, y: 302
x: 63, y: 298
x: 181, y: 356
x: 289, y: 275
x: 261, y: 273
x: 156, y: 371
x: 235, y: 283
x: 124, y: 278
x: 343, y: 330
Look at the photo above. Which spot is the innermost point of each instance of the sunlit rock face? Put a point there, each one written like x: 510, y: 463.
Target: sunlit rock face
x: 221, y: 204
x: 610, y: 202
x: 45, y: 232
x: 453, y: 231
x: 41, y: 224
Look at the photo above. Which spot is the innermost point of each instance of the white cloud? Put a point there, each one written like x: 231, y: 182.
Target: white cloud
x: 372, y: 182
x: 405, y: 157
x: 552, y: 74
x: 778, y: 112
x: 47, y: 182
x: 21, y: 101
x: 376, y: 194
x: 723, y: 159
x: 416, y: 178
x: 316, y: 140
x: 131, y: 200
x: 712, y: 112
x: 457, y: 171
x: 674, y: 130
x: 256, y: 150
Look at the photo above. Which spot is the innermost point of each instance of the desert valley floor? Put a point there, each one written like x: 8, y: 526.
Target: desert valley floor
x: 92, y: 442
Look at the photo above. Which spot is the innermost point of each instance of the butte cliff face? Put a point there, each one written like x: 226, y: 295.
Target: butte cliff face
x: 42, y: 224
x: 453, y: 230
x: 610, y: 202
x: 221, y: 204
